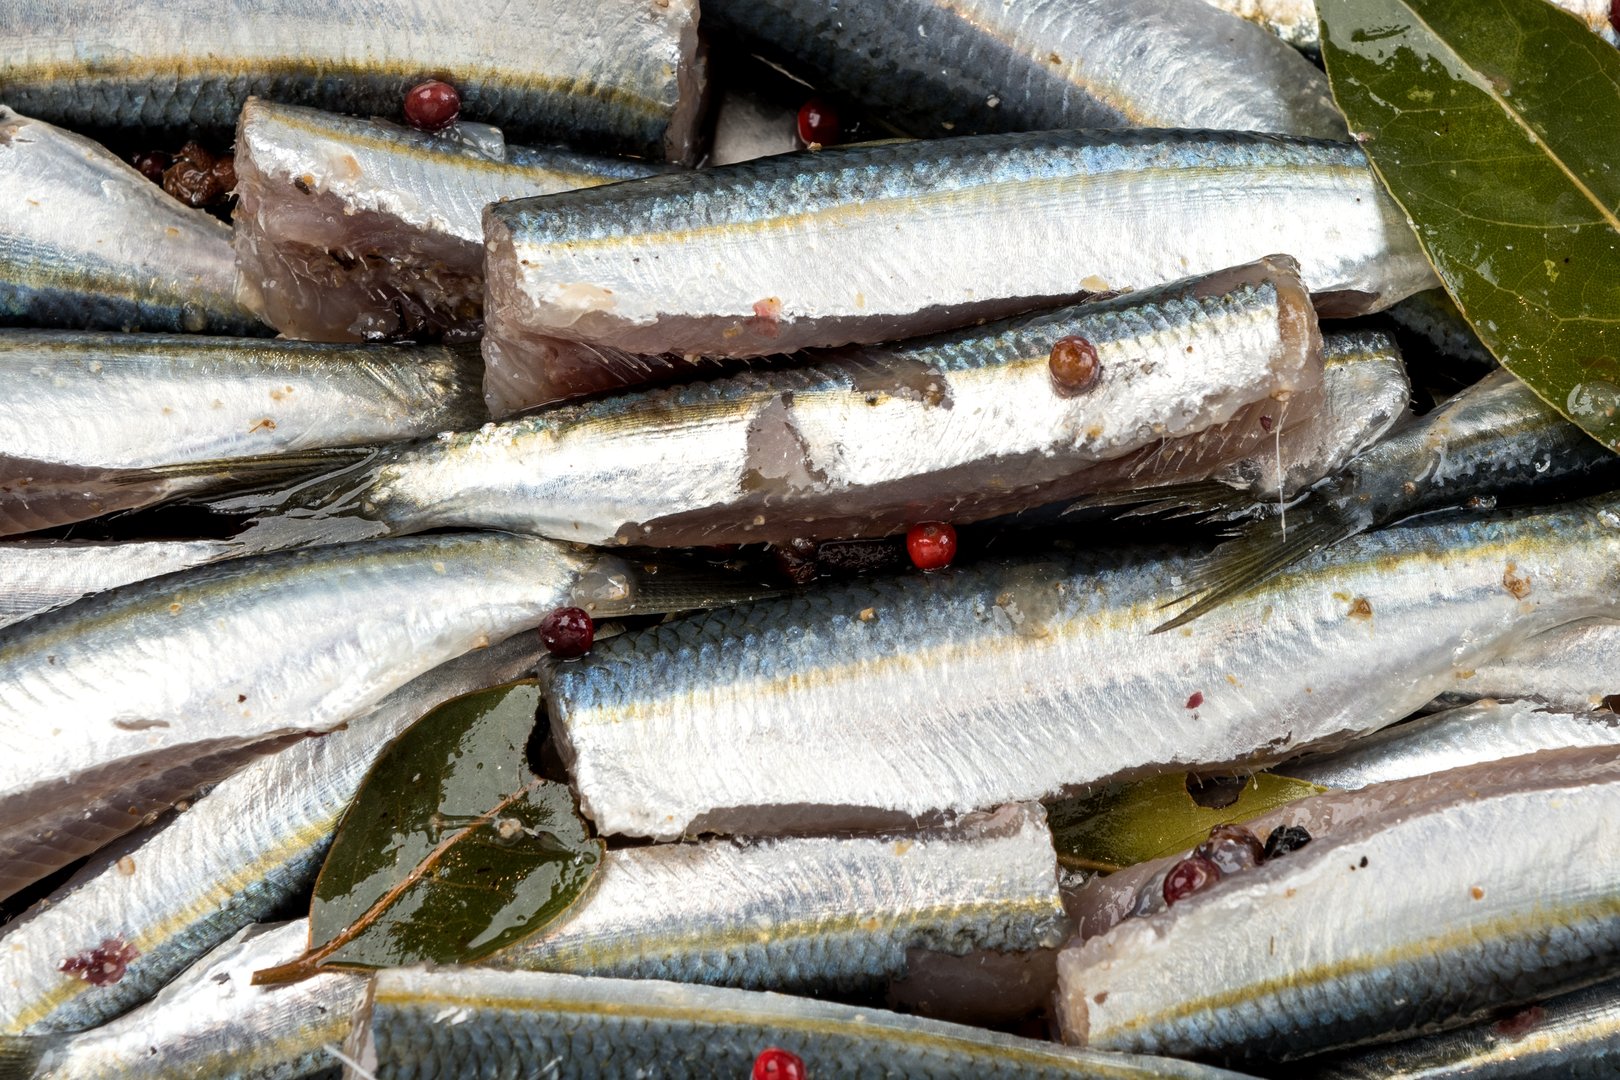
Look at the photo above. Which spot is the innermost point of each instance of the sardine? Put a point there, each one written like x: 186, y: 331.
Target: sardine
x: 864, y: 442
x: 1404, y: 923
x: 1022, y: 679
x: 1295, y: 20
x: 1495, y: 439
x: 212, y: 1022
x: 618, y: 75
x: 246, y: 850
x: 1573, y: 667
x: 809, y: 915
x: 590, y: 289
x: 158, y: 416
x: 1433, y: 316
x: 455, y: 1023
x: 360, y: 230
x: 118, y: 699
x: 933, y: 68
x: 37, y: 575
x: 90, y: 242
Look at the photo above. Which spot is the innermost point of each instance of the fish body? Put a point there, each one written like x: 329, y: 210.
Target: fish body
x: 620, y: 76
x: 88, y: 242
x: 809, y: 914
x: 132, y: 689
x: 245, y: 850
x: 933, y: 68
x: 210, y: 1022
x: 1295, y: 20
x: 477, y: 1023
x: 864, y: 442
x: 1026, y: 678
x: 147, y: 406
x: 39, y: 575
x: 359, y: 230
x: 875, y: 242
x: 1402, y: 923
x: 1573, y: 667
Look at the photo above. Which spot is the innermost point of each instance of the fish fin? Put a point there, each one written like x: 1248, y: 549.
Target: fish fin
x: 1196, y: 499
x: 1255, y: 555
x: 321, y: 509
x: 670, y: 587
x: 21, y: 1056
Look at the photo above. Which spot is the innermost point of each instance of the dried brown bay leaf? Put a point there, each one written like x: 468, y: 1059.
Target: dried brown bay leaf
x: 451, y: 849
x: 1492, y: 123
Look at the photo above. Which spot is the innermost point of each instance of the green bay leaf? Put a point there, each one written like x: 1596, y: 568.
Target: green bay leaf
x: 1492, y: 123
x: 452, y: 848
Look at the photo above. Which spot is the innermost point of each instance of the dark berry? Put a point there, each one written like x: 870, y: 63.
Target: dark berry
x: 1232, y: 849
x: 774, y: 1063
x: 191, y: 182
x: 1190, y: 875
x: 152, y: 163
x: 568, y: 632
x: 797, y: 561
x: 818, y: 123
x: 1286, y: 838
x: 432, y: 106
x: 932, y: 545
x: 225, y: 173
x: 1074, y: 365
x: 103, y: 965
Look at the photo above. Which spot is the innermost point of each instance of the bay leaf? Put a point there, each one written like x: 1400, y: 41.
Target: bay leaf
x: 1124, y: 824
x: 451, y: 849
x: 1492, y: 123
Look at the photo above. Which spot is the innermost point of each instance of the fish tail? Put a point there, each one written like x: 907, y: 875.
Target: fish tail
x: 328, y: 507
x: 23, y: 1057
x: 667, y: 587
x: 1259, y: 552
x: 1197, y: 499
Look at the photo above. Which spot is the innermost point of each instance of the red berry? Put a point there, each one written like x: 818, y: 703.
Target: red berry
x: 151, y: 164
x: 818, y: 123
x: 568, y: 632
x: 774, y: 1063
x: 432, y: 106
x: 932, y: 545
x: 1190, y: 875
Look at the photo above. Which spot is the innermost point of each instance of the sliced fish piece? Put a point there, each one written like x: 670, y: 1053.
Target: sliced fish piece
x: 617, y: 75
x: 1573, y: 667
x: 247, y: 849
x: 864, y: 442
x: 612, y: 285
x: 363, y: 230
x: 934, y: 68
x: 212, y: 1021
x: 1295, y: 20
x: 454, y: 1023
x: 1022, y: 679
x: 809, y: 915
x: 1427, y: 917
x: 37, y: 575
x: 89, y: 242
x: 157, y: 416
x: 135, y: 688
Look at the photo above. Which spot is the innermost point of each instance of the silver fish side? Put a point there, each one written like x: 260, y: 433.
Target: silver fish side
x: 1573, y: 667
x: 1295, y: 20
x: 38, y: 575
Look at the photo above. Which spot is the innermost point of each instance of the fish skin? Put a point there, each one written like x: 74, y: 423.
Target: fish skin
x: 933, y: 68
x: 591, y: 289
x: 747, y: 126
x: 240, y: 853
x: 354, y: 230
x: 210, y: 1022
x: 883, y: 698
x: 466, y: 1022
x: 1399, y: 924
x: 37, y: 575
x: 1573, y: 667
x: 866, y: 441
x: 617, y: 75
x: 1295, y: 21
x: 808, y: 914
x: 146, y: 406
x: 88, y: 242
x: 110, y: 691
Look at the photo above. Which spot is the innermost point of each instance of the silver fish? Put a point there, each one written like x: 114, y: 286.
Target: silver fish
x: 90, y: 242
x: 812, y: 914
x: 37, y: 575
x: 747, y: 127
x: 1452, y: 739
x: 121, y: 698
x: 1015, y: 680
x: 169, y: 893
x: 616, y: 74
x: 158, y: 416
x: 359, y: 230
x: 934, y: 68
x: 1573, y: 667
x: 1295, y: 20
x: 1403, y: 923
x: 864, y: 442
x: 869, y: 243
x: 479, y: 1023
x: 211, y: 1022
